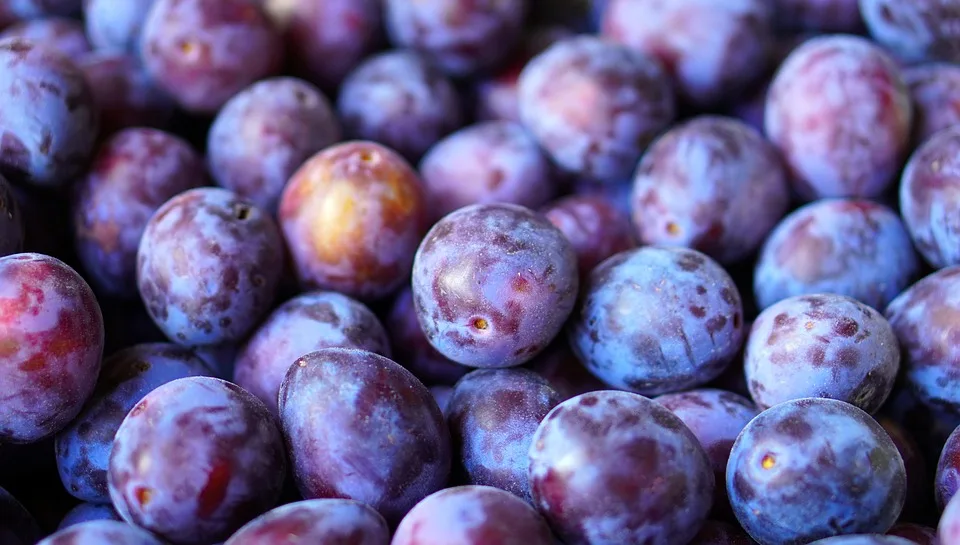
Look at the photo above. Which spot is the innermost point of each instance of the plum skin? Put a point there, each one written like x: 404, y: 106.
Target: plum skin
x: 51, y: 342
x: 327, y: 400
x: 524, y: 285
x: 656, y: 490
x: 675, y: 335
x: 315, y: 521
x: 195, y: 459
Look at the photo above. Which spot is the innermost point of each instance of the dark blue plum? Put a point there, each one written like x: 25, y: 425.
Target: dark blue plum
x: 86, y: 512
x: 947, y: 479
x: 301, y: 325
x: 594, y: 106
x: 925, y: 318
x: 929, y: 200
x: 204, y: 52
x: 11, y: 221
x: 657, y: 320
x: 493, y: 414
x: 411, y: 348
x: 919, y: 30
x: 398, y: 99
x: 846, y: 246
x: 195, y: 459
x: 935, y: 90
x: 50, y: 117
x: 712, y: 184
x: 489, y: 162
x: 359, y: 426
x: 327, y: 40
x: 714, y: 49
x: 133, y: 173
x: 17, y: 526
x: 264, y: 133
x: 325, y: 521
x: 51, y: 344
x: 208, y: 266
x: 473, y: 515
x: 616, y: 467
x: 462, y: 37
x: 64, y: 35
x: 716, y: 418
x: 116, y: 26
x: 823, y: 345
x: 101, y: 531
x: 124, y: 93
x: 814, y: 468
x: 929, y: 426
x: 493, y: 284
x: 83, y: 448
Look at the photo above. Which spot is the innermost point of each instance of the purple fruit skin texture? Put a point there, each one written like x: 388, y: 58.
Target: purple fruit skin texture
x: 675, y: 335
x: 920, y: 30
x: 339, y: 449
x: 302, y: 325
x: 204, y: 52
x: 712, y: 184
x: 124, y: 93
x: 949, y: 528
x: 596, y: 229
x: 850, y: 247
x: 924, y: 318
x: 617, y: 194
x: 116, y: 26
x: 352, y: 217
x: 35, y: 9
x: 50, y: 120
x: 716, y: 418
x: 17, y: 526
x: 411, y: 348
x: 398, y: 99
x: 947, y: 479
x: 657, y: 489
x: 332, y: 521
x: 919, y: 535
x: 132, y: 174
x: 208, y: 266
x: 862, y: 539
x: 493, y: 285
x: 822, y: 345
x: 64, y: 35
x: 594, y: 106
x: 819, y: 15
x: 929, y: 200
x: 712, y: 48
x: 83, y: 448
x: 473, y: 515
x: 841, y: 115
x: 86, y: 512
x: 101, y: 531
x: 12, y: 233
x: 264, y: 133
x: 195, y: 459
x: 493, y: 415
x: 462, y: 37
x: 489, y: 162
x: 51, y: 342
x: 327, y: 40
x: 814, y: 468
x: 935, y: 90
x: 919, y: 500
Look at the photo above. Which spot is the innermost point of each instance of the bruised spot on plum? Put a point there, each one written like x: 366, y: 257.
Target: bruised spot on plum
x: 699, y: 312
x: 589, y: 401
x: 214, y: 490
x: 143, y: 495
x: 846, y: 327
x: 35, y: 363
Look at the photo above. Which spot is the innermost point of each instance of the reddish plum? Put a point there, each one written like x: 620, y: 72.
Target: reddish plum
x: 124, y: 93
x: 324, y: 521
x: 101, y: 531
x: 595, y: 228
